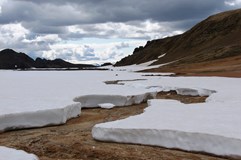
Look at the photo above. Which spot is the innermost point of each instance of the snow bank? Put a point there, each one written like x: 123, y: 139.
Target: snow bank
x: 211, y: 127
x: 13, y: 154
x: 106, y: 105
x: 194, y: 92
x: 167, y: 123
x: 39, y: 118
x: 89, y: 101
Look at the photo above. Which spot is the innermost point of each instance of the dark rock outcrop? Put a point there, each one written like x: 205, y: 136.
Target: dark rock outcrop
x: 106, y: 64
x: 57, y: 63
x: 9, y: 59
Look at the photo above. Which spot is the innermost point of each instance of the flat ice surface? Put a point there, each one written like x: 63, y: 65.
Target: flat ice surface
x: 13, y: 154
x: 212, y: 127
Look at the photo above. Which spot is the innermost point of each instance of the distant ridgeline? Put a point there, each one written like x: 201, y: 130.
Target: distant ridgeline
x: 215, y: 38
x: 9, y: 59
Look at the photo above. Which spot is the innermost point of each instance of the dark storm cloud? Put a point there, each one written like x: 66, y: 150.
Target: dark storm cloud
x: 122, y: 45
x: 37, y: 27
x: 72, y: 12
x: 128, y: 10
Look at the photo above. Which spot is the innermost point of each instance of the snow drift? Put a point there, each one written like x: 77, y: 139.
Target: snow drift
x: 210, y: 127
x: 13, y: 154
x: 39, y: 118
x: 171, y: 124
x: 89, y: 101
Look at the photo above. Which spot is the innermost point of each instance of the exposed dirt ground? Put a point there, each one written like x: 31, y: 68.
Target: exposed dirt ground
x: 225, y: 67
x: 73, y: 140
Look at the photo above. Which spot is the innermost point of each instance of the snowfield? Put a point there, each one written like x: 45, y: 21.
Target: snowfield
x: 211, y: 127
x: 13, y: 154
x: 41, y: 98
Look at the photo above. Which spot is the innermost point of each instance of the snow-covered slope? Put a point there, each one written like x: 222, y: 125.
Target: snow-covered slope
x: 211, y: 127
x: 13, y: 154
x: 138, y: 67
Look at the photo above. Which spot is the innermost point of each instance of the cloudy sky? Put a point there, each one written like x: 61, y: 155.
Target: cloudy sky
x: 96, y: 31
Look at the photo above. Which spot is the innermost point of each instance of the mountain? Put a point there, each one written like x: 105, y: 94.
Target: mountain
x: 215, y: 40
x: 57, y: 63
x: 9, y: 59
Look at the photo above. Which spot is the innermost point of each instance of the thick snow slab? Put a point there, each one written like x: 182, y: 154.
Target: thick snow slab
x: 38, y: 118
x: 13, y: 154
x: 174, y: 125
x: 211, y: 127
x: 89, y: 101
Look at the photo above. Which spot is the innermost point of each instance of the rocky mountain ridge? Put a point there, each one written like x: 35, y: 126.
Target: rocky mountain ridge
x: 215, y: 38
x: 9, y: 59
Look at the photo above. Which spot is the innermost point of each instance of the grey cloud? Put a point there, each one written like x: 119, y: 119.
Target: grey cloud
x: 88, y: 52
x: 18, y: 11
x: 72, y: 12
x: 122, y: 45
x: 126, y: 10
x: 85, y: 54
x: 37, y: 27
x: 128, y: 30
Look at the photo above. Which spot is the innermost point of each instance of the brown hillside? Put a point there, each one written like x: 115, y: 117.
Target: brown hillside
x: 215, y: 38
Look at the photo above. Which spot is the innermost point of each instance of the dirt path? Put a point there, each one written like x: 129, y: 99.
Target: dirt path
x: 73, y: 140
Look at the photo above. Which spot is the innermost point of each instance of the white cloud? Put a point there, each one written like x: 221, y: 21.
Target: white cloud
x: 1, y: 4
x: 233, y: 2
x: 69, y: 52
x: 91, y: 52
x: 51, y: 46
x: 11, y: 34
x: 147, y: 29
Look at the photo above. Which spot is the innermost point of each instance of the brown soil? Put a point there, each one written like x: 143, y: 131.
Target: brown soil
x: 225, y: 67
x: 73, y: 140
x: 118, y: 81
